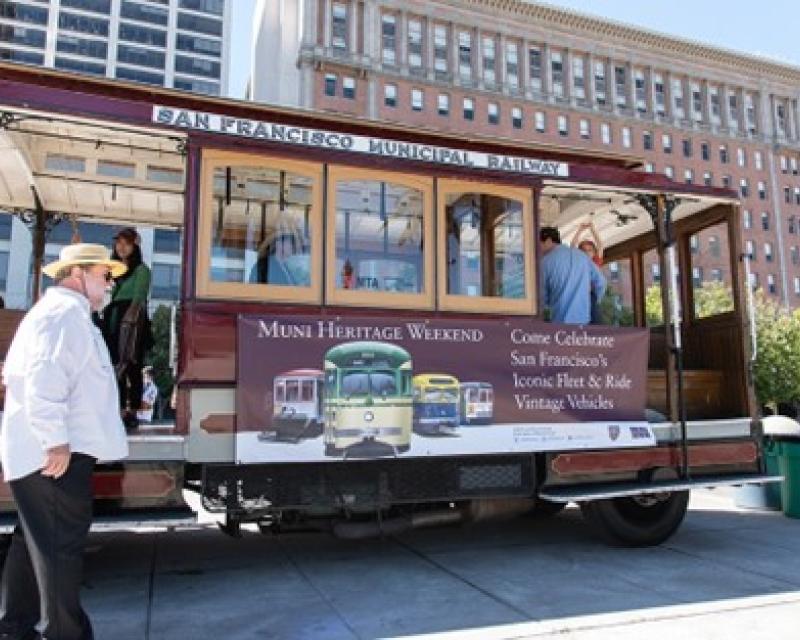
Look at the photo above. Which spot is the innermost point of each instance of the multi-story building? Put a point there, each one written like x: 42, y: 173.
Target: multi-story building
x: 183, y: 44
x: 531, y: 72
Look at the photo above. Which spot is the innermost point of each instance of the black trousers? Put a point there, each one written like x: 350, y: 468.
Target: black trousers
x: 44, y: 566
x: 131, y: 385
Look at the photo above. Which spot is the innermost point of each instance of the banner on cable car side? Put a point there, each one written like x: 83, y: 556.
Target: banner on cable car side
x: 314, y: 389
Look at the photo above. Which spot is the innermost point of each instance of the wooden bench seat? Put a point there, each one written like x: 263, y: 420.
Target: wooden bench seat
x: 702, y: 390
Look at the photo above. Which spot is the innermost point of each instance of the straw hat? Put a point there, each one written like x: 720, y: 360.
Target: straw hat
x: 84, y: 254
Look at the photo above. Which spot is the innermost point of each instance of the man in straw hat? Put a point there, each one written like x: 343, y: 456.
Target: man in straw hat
x: 61, y: 415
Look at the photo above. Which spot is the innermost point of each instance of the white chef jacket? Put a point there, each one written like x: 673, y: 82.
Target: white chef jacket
x: 60, y: 387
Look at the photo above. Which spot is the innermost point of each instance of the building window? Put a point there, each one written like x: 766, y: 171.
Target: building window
x: 765, y: 221
x: 697, y: 276
x: 771, y: 284
x: 196, y: 44
x: 669, y: 172
x: 97, y: 6
x: 605, y: 133
x: 787, y: 195
x: 762, y: 191
x: 137, y: 75
x: 678, y: 109
x: 747, y: 219
x: 793, y: 251
x: 512, y: 65
x: 145, y: 13
x: 535, y: 68
x: 489, y: 59
x: 469, y: 109
x: 694, y: 244
x: 758, y: 160
x: 600, y: 82
x: 620, y: 83
x: 647, y: 141
x: 750, y: 113
x: 780, y: 121
x: 750, y: 249
x: 688, y: 176
x: 83, y: 47
x: 540, y: 121
x: 705, y: 151
x: 796, y: 286
x: 716, y: 112
x: 24, y: 13
x: 666, y: 142
x: 143, y: 35
x: 741, y: 158
x: 516, y: 117
x: 349, y: 87
x: 18, y: 55
x: 687, y: 148
x: 726, y: 182
x: 390, y: 95
x: 443, y: 104
x: 790, y: 225
x: 714, y: 246
x: 209, y: 26
x: 465, y: 54
x: 440, y: 48
x: 784, y: 164
x: 697, y: 103
x: 640, y: 91
x: 198, y: 86
x: 557, y: 73
x: 339, y: 25
x: 198, y: 66
x: 717, y: 275
x: 585, y: 129
x: 415, y: 43
x: 659, y: 93
x: 655, y: 271
x: 61, y: 162
x: 417, y: 100
x: 81, y: 66
x: 330, y: 84
x: 164, y: 175
x: 578, y: 78
x: 216, y: 7
x: 563, y: 125
x: 493, y: 113
x: 82, y: 24
x: 389, y: 38
x: 708, y: 178
x: 626, y: 137
x: 797, y: 195
x: 649, y: 167
x: 733, y: 111
x: 793, y: 163
x: 166, y: 281
x: 723, y: 153
x: 744, y: 188
x: 113, y: 169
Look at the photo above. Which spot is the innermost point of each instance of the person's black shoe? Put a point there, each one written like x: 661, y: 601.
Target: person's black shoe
x: 130, y: 421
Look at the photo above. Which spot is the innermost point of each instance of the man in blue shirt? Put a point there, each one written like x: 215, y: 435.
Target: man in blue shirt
x: 569, y: 280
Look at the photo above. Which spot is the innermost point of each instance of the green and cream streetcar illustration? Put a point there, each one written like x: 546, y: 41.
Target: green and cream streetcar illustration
x: 368, y: 399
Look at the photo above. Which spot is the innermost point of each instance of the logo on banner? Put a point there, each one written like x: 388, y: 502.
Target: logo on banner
x: 613, y: 432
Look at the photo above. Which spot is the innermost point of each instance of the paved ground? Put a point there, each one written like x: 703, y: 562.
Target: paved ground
x: 726, y: 574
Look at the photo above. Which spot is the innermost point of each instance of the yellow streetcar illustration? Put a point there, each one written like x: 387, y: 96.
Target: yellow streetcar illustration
x: 436, y: 398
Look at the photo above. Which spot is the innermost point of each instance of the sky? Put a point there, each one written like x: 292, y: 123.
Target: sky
x: 767, y: 28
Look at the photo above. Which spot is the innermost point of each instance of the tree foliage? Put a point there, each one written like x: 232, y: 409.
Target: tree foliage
x: 158, y: 357
x: 777, y: 364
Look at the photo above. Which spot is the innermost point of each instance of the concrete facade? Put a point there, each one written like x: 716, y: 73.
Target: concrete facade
x: 530, y: 72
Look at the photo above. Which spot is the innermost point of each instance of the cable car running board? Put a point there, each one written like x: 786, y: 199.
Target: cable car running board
x: 582, y: 493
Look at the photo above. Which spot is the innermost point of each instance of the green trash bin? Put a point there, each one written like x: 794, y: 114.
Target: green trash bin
x: 789, y: 467
x: 766, y: 495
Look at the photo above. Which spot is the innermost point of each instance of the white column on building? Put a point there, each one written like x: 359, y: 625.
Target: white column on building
x: 742, y: 114
x: 525, y: 68
x: 352, y: 26
x: 724, y: 106
x: 52, y: 36
x: 650, y: 89
x: 566, y: 68
x: 791, y: 122
x: 402, y: 34
x: 113, y: 32
x: 611, y: 85
x: 477, y: 56
x: 706, y: 90
x: 588, y: 81
x: 427, y: 47
x: 310, y: 21
x: 169, y: 72
x: 547, y: 72
x: 500, y: 62
x: 453, y: 41
x: 327, y: 24
x: 631, y: 73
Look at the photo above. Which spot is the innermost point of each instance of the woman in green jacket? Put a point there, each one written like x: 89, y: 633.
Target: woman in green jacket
x: 126, y: 325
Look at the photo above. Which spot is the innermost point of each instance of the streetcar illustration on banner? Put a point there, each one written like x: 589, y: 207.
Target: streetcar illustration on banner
x: 436, y: 403
x: 476, y: 404
x: 368, y: 400
x: 297, y: 406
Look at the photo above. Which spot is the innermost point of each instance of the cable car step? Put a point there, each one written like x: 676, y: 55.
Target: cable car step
x: 582, y: 493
